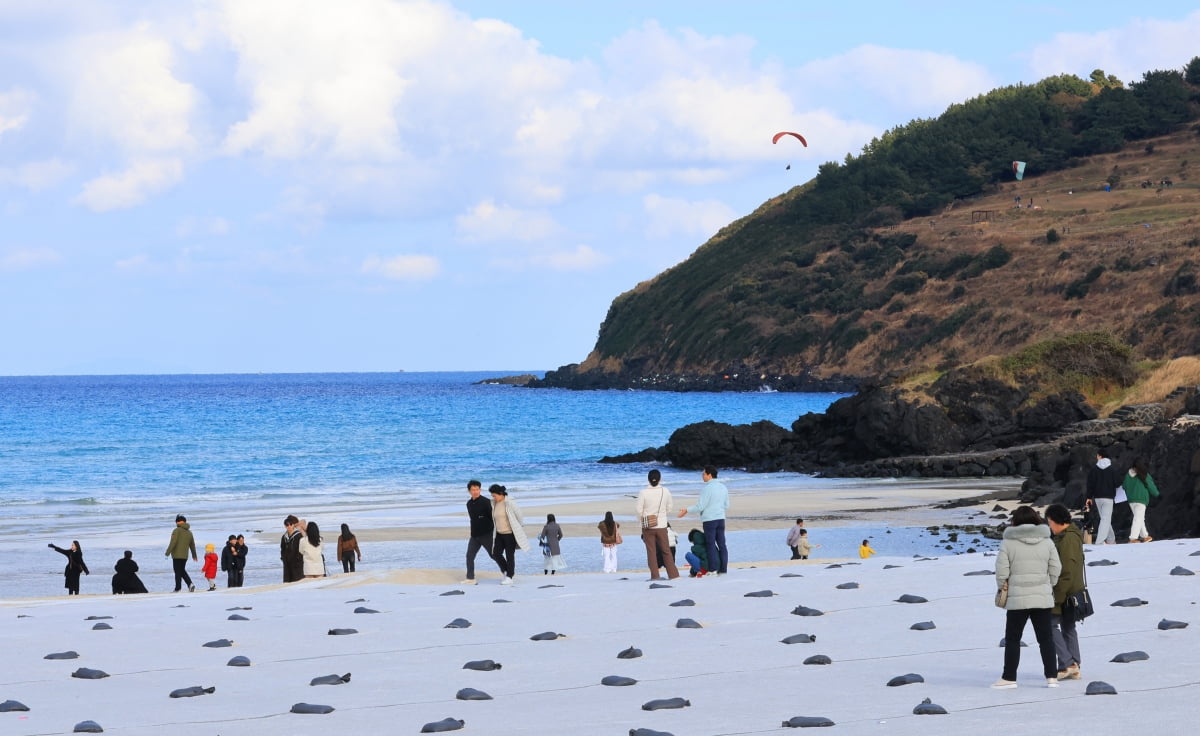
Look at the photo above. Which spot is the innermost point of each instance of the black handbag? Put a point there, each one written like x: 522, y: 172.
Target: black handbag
x: 1080, y: 605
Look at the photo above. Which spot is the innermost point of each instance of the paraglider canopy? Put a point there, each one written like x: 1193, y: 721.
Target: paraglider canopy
x: 781, y: 134
x: 1019, y: 169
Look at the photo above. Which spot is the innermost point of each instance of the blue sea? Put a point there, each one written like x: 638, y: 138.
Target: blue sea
x: 110, y: 460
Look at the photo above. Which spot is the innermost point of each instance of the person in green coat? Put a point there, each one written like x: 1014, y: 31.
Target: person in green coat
x: 1139, y: 487
x: 1068, y: 541
x: 182, y: 542
x: 698, y: 557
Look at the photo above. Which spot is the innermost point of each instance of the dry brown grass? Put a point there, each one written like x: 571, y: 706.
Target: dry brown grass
x: 1158, y: 383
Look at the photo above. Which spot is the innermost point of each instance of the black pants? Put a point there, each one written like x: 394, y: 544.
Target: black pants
x: 1014, y: 626
x: 504, y: 552
x: 473, y: 547
x: 236, y: 576
x: 348, y: 561
x: 181, y: 572
x: 796, y: 552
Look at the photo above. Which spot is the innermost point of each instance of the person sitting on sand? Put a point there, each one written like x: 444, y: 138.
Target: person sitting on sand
x: 698, y: 557
x: 75, y: 566
x: 865, y: 551
x: 126, y: 579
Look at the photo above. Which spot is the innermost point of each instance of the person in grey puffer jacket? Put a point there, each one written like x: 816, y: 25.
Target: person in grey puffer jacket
x: 1028, y: 563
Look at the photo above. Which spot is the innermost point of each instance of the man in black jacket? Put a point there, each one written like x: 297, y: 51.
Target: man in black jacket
x: 1102, y: 483
x: 479, y: 511
x: 289, y: 550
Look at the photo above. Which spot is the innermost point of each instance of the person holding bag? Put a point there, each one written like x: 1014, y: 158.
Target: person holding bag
x: 1028, y: 564
x: 653, y: 509
x: 1068, y: 542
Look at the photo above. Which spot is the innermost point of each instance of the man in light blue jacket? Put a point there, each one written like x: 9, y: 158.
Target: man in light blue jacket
x: 714, y: 500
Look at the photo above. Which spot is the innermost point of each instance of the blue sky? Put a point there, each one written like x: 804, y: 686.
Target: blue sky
x: 374, y: 185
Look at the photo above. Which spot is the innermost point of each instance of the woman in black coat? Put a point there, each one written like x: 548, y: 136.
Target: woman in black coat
x: 75, y: 565
x: 126, y: 580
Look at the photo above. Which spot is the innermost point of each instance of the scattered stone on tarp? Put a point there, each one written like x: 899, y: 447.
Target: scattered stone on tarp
x: 101, y: 627
x: 364, y: 609
x: 1099, y: 687
x: 928, y: 708
x: 922, y: 626
x: 891, y: 567
x: 458, y: 623
x: 501, y: 600
x: 88, y: 727
x: 654, y: 586
x: 470, y: 693
x: 648, y: 732
x: 618, y: 681
x: 342, y: 632
x: 482, y: 665
x: 241, y: 608
x: 1166, y: 624
x: 1129, y: 603
x: 910, y: 679
x: 238, y: 661
x: 1125, y: 657
x: 683, y: 603
x: 687, y: 623
x: 311, y: 709
x: 192, y: 692
x: 13, y: 706
x: 452, y: 592
x: 218, y: 643
x: 1180, y: 570
x: 807, y: 722
x: 847, y: 586
x: 666, y: 704
x: 631, y: 653
x: 1101, y: 563
x: 979, y: 572
x: 806, y: 611
x: 446, y: 724
x: 760, y: 594
x: 330, y: 680
x: 72, y: 654
x: 799, y: 639
x: 86, y: 673
x: 97, y: 618
x: 907, y: 598
x: 547, y: 636
x: 358, y: 600
x: 818, y: 659
x: 791, y: 575
x: 237, y: 617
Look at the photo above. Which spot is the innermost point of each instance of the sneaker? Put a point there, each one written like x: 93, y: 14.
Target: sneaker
x: 506, y: 581
x: 1064, y: 675
x: 1051, y: 682
x: 191, y: 589
x: 468, y: 581
x: 1072, y: 673
x: 1003, y: 684
x: 1148, y: 539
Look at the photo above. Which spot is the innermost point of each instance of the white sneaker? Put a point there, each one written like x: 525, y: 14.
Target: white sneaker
x: 506, y: 581
x: 1003, y: 684
x: 1051, y: 682
x: 468, y: 581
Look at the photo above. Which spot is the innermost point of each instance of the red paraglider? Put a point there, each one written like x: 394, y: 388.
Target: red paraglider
x: 798, y: 137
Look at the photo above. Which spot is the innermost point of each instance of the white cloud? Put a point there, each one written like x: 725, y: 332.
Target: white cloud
x: 489, y: 222
x: 670, y: 216
x: 582, y: 258
x: 1127, y: 52
x: 132, y: 186
x: 403, y: 267
x: 25, y: 259
x: 14, y: 109
x: 37, y: 176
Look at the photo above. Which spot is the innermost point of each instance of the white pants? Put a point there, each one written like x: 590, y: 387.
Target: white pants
x: 610, y: 557
x: 1139, y: 530
x: 1104, y: 530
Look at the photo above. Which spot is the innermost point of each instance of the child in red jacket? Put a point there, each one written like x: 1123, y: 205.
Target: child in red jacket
x: 210, y: 566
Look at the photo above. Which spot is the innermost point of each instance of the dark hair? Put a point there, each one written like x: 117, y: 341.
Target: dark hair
x: 473, y: 484
x: 1025, y: 515
x: 799, y: 521
x: 654, y: 477
x: 1058, y: 513
x: 314, y: 533
x: 290, y: 520
x: 710, y: 471
x: 231, y: 538
x: 1102, y: 453
x: 866, y: 543
x: 346, y: 534
x: 497, y: 488
x: 1140, y: 469
x: 550, y: 519
x: 804, y: 532
x: 609, y: 523
x: 240, y: 536
x: 129, y: 554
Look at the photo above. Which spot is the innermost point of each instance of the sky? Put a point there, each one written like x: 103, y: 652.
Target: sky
x: 379, y: 185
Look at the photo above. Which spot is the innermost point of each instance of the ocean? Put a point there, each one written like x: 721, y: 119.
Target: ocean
x: 110, y: 460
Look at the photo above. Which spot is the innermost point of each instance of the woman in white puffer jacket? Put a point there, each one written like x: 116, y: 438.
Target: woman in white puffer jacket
x: 1028, y: 564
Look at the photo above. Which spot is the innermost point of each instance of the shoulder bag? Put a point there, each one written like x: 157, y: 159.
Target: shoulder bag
x: 651, y: 521
x: 1002, y: 595
x: 1079, y: 605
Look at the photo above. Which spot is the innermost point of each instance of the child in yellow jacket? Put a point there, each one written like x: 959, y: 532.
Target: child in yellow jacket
x: 865, y: 550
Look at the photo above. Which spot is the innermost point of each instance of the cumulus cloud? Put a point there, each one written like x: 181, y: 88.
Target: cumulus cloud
x: 14, y: 109
x: 25, y: 259
x: 1127, y: 52
x: 582, y: 258
x: 489, y: 222
x: 670, y: 216
x: 37, y: 176
x: 132, y: 186
x: 403, y: 267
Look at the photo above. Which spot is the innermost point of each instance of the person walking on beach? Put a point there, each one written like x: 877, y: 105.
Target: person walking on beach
x: 805, y: 547
x: 552, y: 560
x: 311, y: 550
x: 697, y: 558
x: 654, y: 505
x: 479, y: 512
x: 610, y: 537
x: 864, y: 550
x: 75, y: 566
x: 1028, y: 565
x: 347, y: 548
x: 1068, y: 542
x: 1102, y: 483
x: 182, y: 543
x: 1139, y: 487
x: 125, y: 579
x: 714, y: 501
x: 289, y: 550
x: 210, y: 566
x: 510, y: 532
x: 793, y: 539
